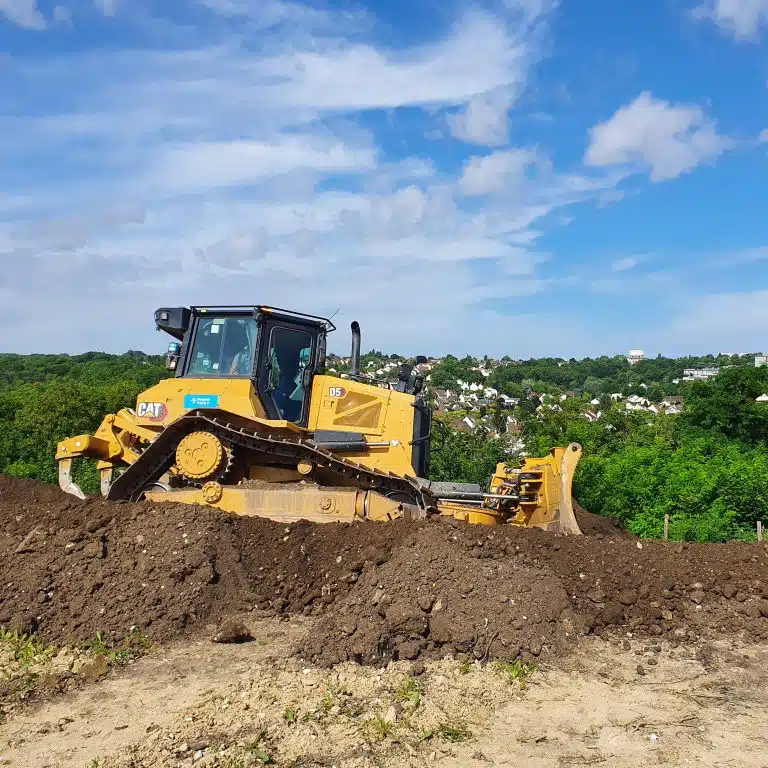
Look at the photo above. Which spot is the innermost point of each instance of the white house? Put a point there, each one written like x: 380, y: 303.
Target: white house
x: 635, y: 356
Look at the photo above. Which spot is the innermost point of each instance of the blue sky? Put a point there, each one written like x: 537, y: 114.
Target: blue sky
x: 520, y: 177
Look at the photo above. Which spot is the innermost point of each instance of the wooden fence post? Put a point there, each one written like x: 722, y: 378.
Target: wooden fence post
x: 666, y: 527
x: 759, y: 530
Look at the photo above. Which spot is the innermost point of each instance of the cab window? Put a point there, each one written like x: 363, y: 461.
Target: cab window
x: 288, y: 356
x: 223, y: 346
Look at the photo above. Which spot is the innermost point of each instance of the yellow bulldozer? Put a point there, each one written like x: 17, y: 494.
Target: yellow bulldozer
x: 249, y: 422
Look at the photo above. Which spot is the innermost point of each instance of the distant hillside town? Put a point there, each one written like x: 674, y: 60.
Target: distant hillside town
x: 496, y: 396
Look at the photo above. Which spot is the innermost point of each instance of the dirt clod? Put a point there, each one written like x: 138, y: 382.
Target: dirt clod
x: 232, y: 631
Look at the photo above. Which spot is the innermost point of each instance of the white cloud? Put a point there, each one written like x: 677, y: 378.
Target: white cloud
x: 625, y: 264
x: 485, y: 119
x: 496, y: 172
x: 742, y: 19
x: 24, y: 13
x: 265, y: 14
x: 477, y: 56
x: 723, y: 320
x: 651, y: 133
x: 107, y: 7
x: 738, y: 257
x: 206, y: 165
x: 763, y: 137
x: 62, y: 15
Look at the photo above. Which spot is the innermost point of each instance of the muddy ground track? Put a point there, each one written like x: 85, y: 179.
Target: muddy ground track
x: 380, y: 592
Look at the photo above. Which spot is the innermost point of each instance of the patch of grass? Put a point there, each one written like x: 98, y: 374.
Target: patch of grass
x: 465, y: 667
x: 409, y: 691
x: 257, y: 752
x: 26, y: 649
x: 332, y: 696
x: 233, y: 761
x: 19, y: 682
x: 128, y: 649
x: 377, y: 728
x: 289, y: 715
x: 328, y: 702
x: 454, y: 732
x: 515, y: 671
x: 95, y: 763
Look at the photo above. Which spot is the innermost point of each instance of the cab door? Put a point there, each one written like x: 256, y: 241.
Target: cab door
x: 287, y: 357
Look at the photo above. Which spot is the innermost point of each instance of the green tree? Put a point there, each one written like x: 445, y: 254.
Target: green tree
x: 467, y: 458
x: 655, y: 393
x: 728, y: 405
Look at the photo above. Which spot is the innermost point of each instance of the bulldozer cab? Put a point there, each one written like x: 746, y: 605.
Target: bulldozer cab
x: 278, y: 350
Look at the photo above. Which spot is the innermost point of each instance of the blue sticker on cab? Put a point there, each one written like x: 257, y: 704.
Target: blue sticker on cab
x: 201, y: 401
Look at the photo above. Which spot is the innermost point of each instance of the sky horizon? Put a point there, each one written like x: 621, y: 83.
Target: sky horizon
x: 524, y: 177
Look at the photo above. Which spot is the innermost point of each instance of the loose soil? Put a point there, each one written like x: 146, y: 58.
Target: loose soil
x: 193, y: 703
x: 70, y: 569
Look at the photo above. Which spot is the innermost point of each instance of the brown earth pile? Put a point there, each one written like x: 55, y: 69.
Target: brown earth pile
x: 70, y: 569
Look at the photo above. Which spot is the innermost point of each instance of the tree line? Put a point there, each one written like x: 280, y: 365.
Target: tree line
x: 707, y: 468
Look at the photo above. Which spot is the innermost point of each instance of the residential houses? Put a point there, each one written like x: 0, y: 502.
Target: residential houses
x: 700, y: 374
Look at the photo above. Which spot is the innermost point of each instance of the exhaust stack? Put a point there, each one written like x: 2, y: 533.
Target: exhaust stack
x: 354, y: 362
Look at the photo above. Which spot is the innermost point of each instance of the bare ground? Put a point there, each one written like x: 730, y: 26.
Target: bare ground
x: 195, y: 703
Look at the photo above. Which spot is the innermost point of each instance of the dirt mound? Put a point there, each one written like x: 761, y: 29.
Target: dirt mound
x: 592, y: 525
x: 500, y: 590
x: 436, y: 595
x: 70, y: 569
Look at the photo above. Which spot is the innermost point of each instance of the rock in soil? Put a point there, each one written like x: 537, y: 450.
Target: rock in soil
x: 232, y: 631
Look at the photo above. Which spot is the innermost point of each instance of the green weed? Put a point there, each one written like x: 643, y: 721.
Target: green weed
x: 232, y: 761
x: 289, y: 715
x: 332, y: 696
x: 454, y: 732
x: 130, y: 648
x: 377, y: 728
x: 328, y: 702
x: 465, y: 667
x: 258, y: 753
x: 409, y: 691
x: 515, y: 671
x: 26, y: 649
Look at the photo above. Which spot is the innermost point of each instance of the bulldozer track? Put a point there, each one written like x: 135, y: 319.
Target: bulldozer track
x: 160, y: 454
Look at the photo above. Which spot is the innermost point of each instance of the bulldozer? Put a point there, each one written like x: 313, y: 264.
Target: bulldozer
x: 250, y: 422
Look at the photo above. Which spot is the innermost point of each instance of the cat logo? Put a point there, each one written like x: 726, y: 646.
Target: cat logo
x: 152, y: 411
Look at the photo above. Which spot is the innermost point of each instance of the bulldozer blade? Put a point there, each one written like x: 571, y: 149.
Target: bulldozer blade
x: 566, y: 518
x: 66, y: 483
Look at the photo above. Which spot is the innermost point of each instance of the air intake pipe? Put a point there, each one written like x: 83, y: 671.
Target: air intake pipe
x: 354, y: 362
